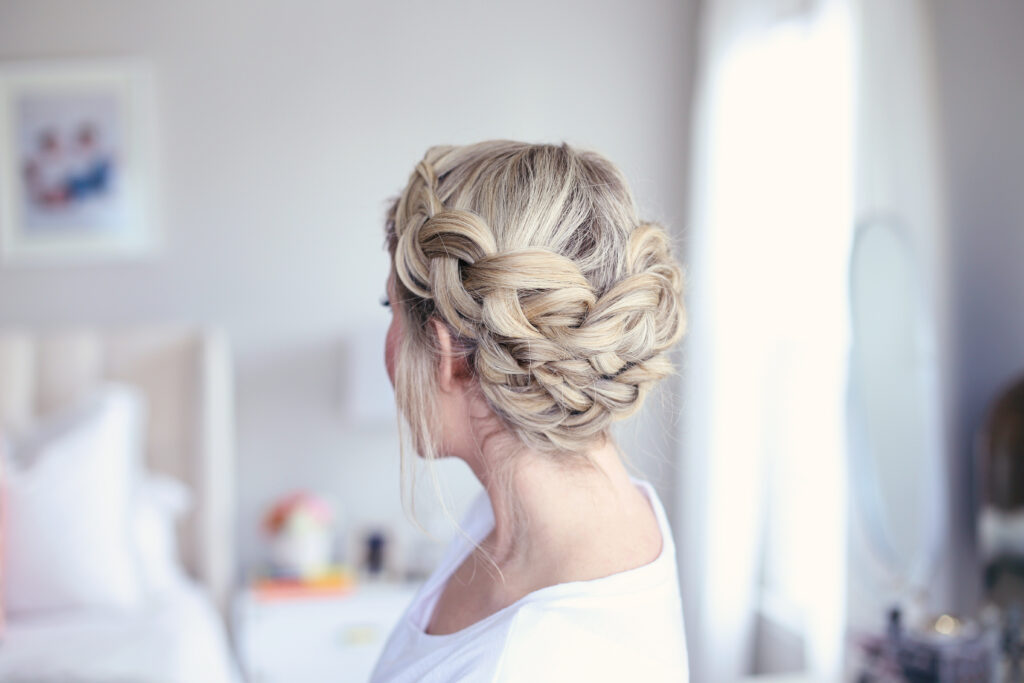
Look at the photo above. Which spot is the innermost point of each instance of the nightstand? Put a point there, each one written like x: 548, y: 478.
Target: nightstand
x: 316, y: 639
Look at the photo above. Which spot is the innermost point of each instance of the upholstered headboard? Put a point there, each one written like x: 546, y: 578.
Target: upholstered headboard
x: 185, y: 375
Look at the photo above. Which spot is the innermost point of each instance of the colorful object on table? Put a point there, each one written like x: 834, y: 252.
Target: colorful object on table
x: 300, y: 528
x: 335, y: 581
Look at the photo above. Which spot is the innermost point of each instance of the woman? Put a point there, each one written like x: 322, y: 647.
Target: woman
x: 531, y: 308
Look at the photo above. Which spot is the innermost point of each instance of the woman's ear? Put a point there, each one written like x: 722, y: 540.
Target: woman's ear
x: 445, y: 367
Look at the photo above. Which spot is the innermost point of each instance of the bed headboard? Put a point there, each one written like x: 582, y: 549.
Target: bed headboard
x: 185, y: 374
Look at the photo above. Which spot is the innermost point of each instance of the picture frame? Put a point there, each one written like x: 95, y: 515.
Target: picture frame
x: 77, y: 162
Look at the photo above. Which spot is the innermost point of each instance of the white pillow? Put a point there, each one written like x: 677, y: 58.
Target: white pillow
x: 159, y: 501
x: 68, y: 543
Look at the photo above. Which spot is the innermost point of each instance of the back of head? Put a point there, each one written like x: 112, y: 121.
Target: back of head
x: 561, y: 300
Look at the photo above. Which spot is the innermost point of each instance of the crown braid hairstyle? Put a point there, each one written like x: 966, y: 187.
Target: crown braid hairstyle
x: 562, y: 302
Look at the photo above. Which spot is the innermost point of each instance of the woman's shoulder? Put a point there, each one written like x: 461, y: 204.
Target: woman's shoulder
x: 627, y: 626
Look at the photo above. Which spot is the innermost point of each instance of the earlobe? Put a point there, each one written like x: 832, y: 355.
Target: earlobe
x: 445, y: 366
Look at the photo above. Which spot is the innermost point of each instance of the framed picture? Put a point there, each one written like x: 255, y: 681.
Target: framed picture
x: 76, y: 162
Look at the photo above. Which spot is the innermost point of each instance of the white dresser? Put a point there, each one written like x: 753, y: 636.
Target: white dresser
x: 316, y: 639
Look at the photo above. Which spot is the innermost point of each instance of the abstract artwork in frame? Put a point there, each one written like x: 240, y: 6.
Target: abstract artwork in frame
x: 77, y: 162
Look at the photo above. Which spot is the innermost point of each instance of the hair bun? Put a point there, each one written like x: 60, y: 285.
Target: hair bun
x: 568, y: 322
x: 598, y: 366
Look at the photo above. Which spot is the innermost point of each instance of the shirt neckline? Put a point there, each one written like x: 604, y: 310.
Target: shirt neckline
x: 611, y: 584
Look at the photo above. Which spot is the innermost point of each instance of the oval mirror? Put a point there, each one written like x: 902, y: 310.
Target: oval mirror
x: 894, y: 406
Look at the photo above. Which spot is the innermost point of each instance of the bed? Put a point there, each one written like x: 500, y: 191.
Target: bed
x: 184, y: 377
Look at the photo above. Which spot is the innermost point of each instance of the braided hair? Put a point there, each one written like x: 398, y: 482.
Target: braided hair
x: 562, y: 302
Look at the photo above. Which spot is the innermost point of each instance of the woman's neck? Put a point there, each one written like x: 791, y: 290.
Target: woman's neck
x: 549, y: 515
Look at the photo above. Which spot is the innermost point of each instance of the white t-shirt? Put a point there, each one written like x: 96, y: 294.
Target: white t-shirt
x: 623, y: 627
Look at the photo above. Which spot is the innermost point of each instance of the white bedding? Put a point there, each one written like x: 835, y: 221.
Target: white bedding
x: 177, y: 638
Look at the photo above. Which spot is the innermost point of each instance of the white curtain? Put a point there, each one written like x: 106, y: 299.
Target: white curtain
x: 764, y: 501
x: 810, y: 116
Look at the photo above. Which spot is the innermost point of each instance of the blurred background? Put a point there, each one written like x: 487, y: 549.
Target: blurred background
x: 191, y: 229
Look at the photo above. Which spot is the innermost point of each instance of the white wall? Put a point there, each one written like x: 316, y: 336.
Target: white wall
x: 979, y: 57
x: 284, y: 128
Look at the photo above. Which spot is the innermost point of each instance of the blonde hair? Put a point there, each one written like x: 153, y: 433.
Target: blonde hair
x: 559, y: 299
